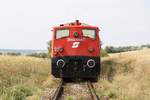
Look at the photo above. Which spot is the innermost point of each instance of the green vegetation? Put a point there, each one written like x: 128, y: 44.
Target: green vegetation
x: 39, y: 55
x: 145, y: 46
x: 103, y: 53
x: 13, y: 54
x: 111, y: 49
x: 49, y: 43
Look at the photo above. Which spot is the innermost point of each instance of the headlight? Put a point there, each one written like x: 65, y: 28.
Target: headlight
x: 60, y: 49
x: 60, y: 63
x: 91, y: 49
x: 91, y: 63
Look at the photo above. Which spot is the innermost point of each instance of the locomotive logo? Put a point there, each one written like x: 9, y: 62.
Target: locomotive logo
x: 75, y: 44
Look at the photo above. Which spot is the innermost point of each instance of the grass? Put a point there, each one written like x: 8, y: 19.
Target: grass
x: 125, y: 76
x: 24, y: 77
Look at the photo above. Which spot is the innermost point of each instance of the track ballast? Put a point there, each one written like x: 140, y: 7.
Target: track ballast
x: 60, y: 91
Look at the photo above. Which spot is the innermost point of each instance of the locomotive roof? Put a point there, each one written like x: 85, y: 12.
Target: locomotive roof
x: 73, y: 23
x: 76, y: 23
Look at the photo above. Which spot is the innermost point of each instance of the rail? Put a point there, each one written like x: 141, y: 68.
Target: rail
x: 58, y: 91
x: 92, y: 91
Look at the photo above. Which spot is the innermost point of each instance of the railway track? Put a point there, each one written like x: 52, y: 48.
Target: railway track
x: 59, y: 91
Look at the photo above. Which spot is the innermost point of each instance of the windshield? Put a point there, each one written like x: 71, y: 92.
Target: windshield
x: 61, y: 33
x: 91, y: 33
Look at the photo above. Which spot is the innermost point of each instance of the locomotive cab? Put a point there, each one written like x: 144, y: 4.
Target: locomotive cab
x: 76, y: 51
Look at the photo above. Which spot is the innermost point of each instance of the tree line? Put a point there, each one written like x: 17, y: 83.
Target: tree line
x: 112, y: 49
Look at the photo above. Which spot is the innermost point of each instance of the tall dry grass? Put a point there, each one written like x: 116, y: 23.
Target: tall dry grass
x: 24, y: 77
x: 125, y: 76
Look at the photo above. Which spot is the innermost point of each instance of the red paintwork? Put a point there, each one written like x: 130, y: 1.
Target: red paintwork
x: 82, y: 49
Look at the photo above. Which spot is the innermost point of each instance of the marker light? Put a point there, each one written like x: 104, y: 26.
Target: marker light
x: 91, y: 49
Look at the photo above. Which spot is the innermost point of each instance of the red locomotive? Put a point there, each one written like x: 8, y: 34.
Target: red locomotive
x: 76, y: 51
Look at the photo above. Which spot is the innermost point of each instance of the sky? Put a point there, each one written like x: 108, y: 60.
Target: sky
x: 27, y: 24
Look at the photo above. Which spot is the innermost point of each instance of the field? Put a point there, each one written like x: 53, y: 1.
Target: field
x: 24, y: 77
x: 125, y: 76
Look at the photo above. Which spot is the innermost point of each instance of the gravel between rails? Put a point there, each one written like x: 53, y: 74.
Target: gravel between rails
x: 76, y: 91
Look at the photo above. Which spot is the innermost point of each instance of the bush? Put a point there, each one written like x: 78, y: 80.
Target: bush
x: 13, y: 54
x: 111, y: 49
x: 145, y: 46
x: 39, y: 55
x: 103, y: 53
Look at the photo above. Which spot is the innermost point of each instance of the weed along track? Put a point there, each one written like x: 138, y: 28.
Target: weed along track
x: 75, y: 91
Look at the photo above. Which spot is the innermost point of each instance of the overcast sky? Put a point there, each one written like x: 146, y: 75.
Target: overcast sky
x: 26, y: 24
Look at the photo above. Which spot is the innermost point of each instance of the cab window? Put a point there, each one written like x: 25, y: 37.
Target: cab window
x: 61, y: 33
x: 91, y: 33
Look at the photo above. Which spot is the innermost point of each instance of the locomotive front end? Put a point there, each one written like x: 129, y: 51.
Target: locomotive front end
x: 76, y: 51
